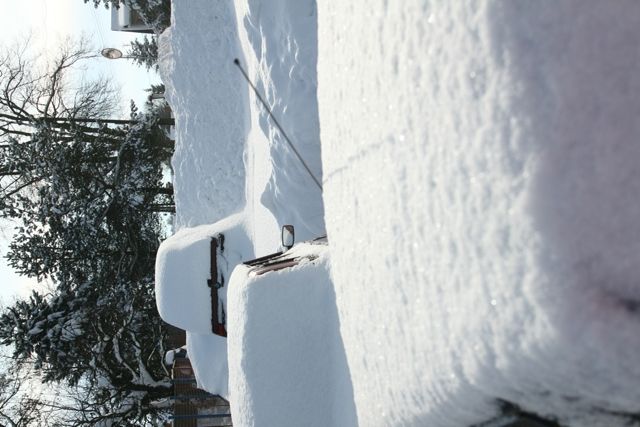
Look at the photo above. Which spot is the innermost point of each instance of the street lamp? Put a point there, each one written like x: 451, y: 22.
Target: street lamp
x: 111, y: 53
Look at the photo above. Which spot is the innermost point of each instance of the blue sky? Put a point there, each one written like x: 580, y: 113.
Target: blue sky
x: 48, y: 22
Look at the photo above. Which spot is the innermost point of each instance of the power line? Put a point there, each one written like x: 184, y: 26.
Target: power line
x: 95, y: 18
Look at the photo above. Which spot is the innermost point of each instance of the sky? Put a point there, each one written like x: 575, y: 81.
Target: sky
x: 47, y: 23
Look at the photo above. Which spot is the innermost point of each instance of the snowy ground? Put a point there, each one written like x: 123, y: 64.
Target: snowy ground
x: 480, y: 176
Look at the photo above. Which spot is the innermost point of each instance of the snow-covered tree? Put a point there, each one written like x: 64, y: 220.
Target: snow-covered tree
x: 105, y: 342
x: 76, y: 185
x: 103, y: 336
x: 39, y: 113
x: 86, y: 192
x: 90, y: 199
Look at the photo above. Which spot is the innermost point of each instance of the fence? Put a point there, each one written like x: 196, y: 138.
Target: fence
x: 194, y: 407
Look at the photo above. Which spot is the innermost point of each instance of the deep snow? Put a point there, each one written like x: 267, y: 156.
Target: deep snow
x: 277, y: 191
x: 492, y: 164
x: 479, y: 166
x: 208, y: 101
x: 286, y: 351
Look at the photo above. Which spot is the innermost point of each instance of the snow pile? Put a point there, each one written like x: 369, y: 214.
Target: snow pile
x: 216, y: 125
x: 208, y: 356
x: 171, y: 355
x: 280, y: 44
x: 208, y: 101
x: 480, y: 166
x: 286, y: 359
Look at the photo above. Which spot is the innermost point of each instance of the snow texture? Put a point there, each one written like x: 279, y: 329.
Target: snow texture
x: 208, y: 101
x: 489, y: 178
x: 276, y: 187
x: 183, y: 266
x: 280, y: 44
x: 479, y: 164
x: 286, y: 351
x: 208, y: 357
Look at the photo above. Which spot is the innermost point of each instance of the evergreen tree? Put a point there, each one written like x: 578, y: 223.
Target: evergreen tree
x: 88, y: 193
x: 87, y: 198
x: 95, y: 342
x: 144, y: 52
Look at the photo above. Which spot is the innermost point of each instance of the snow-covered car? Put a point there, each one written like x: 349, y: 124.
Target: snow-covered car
x: 285, y: 337
x: 289, y: 257
x: 192, y: 268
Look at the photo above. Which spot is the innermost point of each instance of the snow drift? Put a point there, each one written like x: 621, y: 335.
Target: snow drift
x: 280, y: 45
x: 209, y: 103
x: 489, y: 177
x: 479, y: 164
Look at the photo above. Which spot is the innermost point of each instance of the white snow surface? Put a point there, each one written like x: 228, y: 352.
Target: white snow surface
x: 280, y: 45
x: 218, y: 123
x: 208, y: 356
x: 285, y: 350
x: 481, y: 181
x: 208, y: 101
x: 183, y: 296
x: 479, y: 163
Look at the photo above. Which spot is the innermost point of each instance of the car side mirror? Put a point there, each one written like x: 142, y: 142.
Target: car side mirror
x: 288, y: 236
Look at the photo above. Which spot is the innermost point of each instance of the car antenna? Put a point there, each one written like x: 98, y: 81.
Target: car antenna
x: 286, y: 137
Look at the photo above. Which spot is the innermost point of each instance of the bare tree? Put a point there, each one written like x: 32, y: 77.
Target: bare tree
x: 39, y: 99
x: 20, y: 398
x: 33, y: 93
